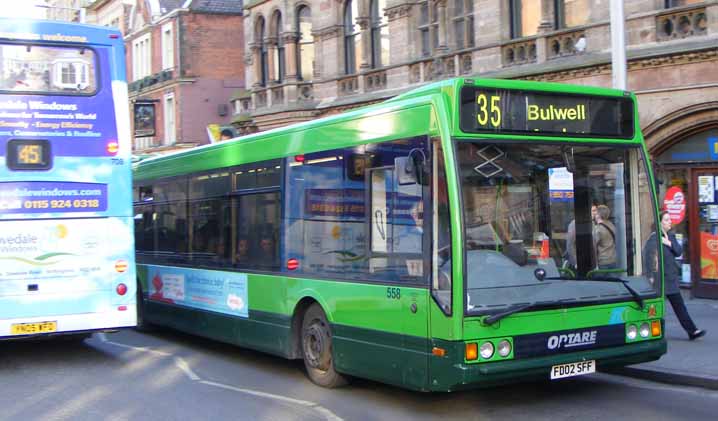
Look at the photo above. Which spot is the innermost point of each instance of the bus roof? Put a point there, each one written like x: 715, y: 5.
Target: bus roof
x: 50, y: 31
x: 450, y: 88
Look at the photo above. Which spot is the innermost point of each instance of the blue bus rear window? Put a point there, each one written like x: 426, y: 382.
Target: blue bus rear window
x: 47, y: 69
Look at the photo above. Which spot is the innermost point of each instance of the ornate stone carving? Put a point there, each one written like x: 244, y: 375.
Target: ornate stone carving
x: 415, y: 73
x: 328, y: 32
x: 516, y: 53
x: 278, y: 96
x: 450, y: 66
x: 305, y: 92
x: 290, y: 37
x: 375, y: 81
x: 466, y: 64
x: 682, y: 24
x: 566, y: 44
x: 363, y: 22
x: 348, y: 85
x: 260, y: 99
x: 398, y: 12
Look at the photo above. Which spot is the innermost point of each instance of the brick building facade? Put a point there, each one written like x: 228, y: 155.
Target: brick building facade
x: 184, y: 63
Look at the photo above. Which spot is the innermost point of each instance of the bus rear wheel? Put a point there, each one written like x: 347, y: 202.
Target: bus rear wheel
x: 317, y: 349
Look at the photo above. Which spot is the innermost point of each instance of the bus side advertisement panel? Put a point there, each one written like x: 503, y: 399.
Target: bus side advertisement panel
x: 217, y: 291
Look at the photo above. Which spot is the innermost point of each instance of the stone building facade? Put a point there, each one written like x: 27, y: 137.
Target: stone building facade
x: 310, y: 58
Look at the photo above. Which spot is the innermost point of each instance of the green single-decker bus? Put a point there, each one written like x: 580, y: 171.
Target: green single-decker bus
x: 467, y: 233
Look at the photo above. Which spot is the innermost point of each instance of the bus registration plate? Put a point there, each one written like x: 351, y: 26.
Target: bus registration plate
x: 573, y: 369
x: 30, y: 328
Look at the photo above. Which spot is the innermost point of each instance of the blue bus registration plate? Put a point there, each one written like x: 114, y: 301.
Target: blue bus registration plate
x: 30, y: 328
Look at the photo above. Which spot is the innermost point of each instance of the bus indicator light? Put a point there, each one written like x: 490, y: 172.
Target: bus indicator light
x: 122, y: 308
x: 652, y: 310
x: 113, y: 147
x: 656, y: 328
x: 292, y: 264
x: 121, y: 266
x: 472, y: 352
x: 299, y: 158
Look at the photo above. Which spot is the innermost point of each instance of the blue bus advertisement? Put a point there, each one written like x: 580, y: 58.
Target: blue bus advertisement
x: 66, y: 234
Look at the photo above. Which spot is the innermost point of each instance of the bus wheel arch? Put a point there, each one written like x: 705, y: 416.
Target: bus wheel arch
x: 295, y: 346
x: 315, y: 342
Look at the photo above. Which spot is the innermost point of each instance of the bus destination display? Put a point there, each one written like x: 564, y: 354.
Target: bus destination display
x: 487, y: 110
x: 26, y: 154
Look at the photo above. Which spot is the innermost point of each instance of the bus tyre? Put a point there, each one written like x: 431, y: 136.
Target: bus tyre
x: 317, y: 349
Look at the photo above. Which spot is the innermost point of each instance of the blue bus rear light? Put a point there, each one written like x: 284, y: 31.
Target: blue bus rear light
x: 121, y: 289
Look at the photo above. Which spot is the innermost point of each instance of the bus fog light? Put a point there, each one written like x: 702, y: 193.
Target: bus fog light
x: 631, y: 332
x: 487, y: 350
x: 504, y: 348
x: 644, y: 330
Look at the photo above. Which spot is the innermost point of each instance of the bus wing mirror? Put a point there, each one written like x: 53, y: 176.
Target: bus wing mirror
x: 405, y: 170
x: 568, y: 160
x: 412, y: 169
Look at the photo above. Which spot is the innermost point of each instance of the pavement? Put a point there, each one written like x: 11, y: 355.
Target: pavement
x: 689, y: 363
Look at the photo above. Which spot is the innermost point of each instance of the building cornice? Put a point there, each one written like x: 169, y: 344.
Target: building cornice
x: 600, y: 63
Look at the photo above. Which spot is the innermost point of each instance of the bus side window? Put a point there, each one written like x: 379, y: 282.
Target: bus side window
x: 257, y: 215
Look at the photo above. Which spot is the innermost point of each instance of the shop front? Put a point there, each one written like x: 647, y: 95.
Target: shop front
x: 687, y: 175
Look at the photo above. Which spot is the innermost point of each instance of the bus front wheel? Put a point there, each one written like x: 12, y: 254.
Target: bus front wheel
x: 317, y: 349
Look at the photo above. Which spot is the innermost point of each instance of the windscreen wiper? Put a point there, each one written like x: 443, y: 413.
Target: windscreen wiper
x: 488, y: 321
x: 541, y: 276
x: 634, y: 293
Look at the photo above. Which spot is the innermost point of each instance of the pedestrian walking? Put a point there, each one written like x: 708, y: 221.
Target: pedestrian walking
x: 671, y: 272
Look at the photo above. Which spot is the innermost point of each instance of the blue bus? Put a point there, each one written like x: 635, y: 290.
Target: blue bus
x: 67, y: 262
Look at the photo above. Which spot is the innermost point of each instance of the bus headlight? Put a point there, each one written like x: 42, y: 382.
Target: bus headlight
x: 504, y: 348
x: 644, y: 330
x: 631, y: 332
x: 486, y: 350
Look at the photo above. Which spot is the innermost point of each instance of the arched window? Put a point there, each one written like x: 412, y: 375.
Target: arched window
x: 279, y: 71
x: 428, y: 27
x: 264, y: 69
x: 352, y: 40
x: 379, y: 35
x: 305, y: 49
x: 463, y: 22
